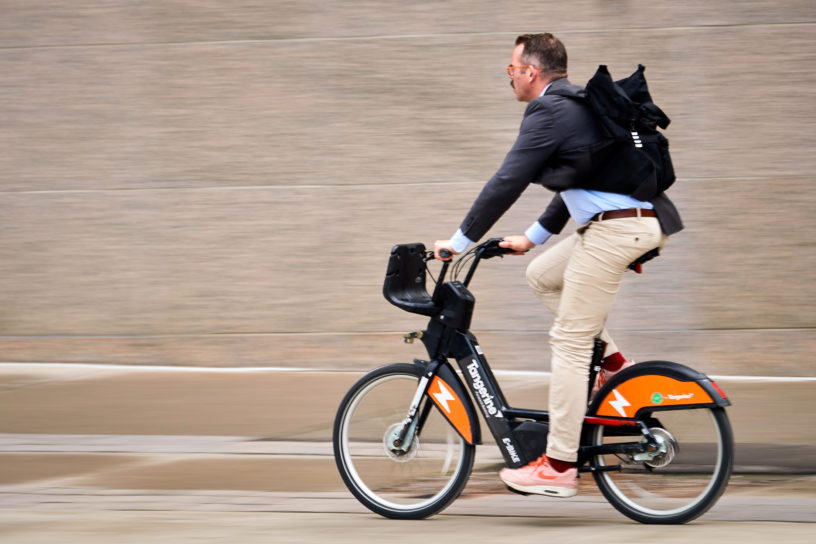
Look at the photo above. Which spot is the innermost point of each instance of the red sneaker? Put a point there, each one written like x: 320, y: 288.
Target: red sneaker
x: 540, y: 478
x: 606, y: 375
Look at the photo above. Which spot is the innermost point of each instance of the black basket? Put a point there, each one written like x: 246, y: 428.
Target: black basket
x: 404, y: 285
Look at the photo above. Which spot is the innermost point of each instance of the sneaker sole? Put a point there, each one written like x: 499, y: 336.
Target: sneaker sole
x: 549, y: 491
x: 516, y: 491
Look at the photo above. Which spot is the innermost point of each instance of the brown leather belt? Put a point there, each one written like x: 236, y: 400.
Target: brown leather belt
x: 620, y: 214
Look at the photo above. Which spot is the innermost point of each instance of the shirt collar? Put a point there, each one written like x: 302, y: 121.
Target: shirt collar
x: 547, y: 87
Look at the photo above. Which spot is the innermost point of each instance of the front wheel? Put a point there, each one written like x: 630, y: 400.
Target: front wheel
x: 680, y: 481
x: 411, y: 484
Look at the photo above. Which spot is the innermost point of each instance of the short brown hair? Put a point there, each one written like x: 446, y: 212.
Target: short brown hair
x: 545, y: 51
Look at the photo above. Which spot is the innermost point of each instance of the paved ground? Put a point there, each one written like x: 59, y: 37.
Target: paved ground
x: 95, y: 454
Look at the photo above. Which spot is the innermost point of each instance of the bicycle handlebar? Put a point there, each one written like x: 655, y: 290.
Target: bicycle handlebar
x: 491, y: 248
x: 486, y: 250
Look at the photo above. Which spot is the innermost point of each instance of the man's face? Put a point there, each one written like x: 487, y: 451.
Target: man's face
x: 520, y: 78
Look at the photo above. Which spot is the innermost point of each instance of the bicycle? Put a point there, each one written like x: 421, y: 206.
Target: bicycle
x: 655, y: 438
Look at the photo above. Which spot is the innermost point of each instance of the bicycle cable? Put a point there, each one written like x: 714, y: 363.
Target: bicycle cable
x: 459, y: 265
x: 429, y: 256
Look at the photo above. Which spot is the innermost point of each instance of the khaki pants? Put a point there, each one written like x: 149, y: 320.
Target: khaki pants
x: 578, y: 279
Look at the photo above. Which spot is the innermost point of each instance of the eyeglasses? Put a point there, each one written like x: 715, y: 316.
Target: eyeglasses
x: 510, y: 68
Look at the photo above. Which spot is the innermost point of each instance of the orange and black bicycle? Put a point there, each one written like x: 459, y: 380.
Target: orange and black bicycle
x: 655, y: 438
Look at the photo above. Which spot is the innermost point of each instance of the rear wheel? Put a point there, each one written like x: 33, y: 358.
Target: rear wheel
x: 680, y: 481
x: 409, y: 483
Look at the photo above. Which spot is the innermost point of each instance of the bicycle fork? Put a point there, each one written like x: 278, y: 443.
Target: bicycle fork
x: 401, y: 440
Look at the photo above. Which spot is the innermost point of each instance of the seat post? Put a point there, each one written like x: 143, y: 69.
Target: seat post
x: 598, y: 349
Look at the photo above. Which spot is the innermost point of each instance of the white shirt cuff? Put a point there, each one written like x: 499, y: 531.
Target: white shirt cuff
x: 537, y: 234
x: 460, y: 242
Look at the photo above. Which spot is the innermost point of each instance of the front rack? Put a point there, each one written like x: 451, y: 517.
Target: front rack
x: 404, y: 285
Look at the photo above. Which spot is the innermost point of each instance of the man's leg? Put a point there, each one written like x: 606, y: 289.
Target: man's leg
x: 591, y: 280
x: 545, y: 275
x: 591, y: 266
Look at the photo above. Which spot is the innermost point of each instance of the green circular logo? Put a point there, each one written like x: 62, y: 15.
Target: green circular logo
x: 657, y: 398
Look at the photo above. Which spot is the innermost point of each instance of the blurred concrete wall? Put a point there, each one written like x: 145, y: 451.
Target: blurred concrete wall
x: 219, y: 183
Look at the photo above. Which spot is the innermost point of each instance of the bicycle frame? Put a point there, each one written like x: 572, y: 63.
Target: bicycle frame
x: 519, y: 433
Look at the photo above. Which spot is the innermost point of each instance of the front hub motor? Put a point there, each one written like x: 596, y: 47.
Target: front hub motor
x: 399, y: 453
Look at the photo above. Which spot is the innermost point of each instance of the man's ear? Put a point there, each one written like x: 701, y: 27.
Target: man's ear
x: 532, y: 74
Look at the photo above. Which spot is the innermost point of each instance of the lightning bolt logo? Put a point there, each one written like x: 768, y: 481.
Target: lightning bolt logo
x: 619, y: 403
x: 443, y: 396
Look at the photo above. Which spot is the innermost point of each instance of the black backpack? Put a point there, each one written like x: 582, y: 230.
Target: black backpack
x: 636, y: 153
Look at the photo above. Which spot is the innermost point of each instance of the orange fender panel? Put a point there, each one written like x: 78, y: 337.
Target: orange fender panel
x: 651, y: 391
x: 451, y: 406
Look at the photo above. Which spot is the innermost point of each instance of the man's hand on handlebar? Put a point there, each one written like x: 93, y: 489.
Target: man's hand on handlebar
x: 512, y: 245
x: 441, y: 246
x: 519, y: 243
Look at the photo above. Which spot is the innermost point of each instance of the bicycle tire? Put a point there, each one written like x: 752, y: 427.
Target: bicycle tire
x: 690, y: 482
x: 416, y: 485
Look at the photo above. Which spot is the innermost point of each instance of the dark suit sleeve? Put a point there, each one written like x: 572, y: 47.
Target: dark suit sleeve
x: 667, y: 214
x: 556, y: 215
x: 536, y: 142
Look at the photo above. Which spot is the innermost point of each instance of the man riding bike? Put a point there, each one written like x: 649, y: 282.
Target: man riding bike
x: 579, y: 277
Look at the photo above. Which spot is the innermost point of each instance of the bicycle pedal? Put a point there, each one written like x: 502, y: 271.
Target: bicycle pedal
x: 517, y: 492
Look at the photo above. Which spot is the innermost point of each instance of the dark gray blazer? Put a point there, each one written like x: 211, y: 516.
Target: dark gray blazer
x: 556, y: 133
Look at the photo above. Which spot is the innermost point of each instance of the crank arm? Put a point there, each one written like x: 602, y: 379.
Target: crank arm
x: 605, y: 468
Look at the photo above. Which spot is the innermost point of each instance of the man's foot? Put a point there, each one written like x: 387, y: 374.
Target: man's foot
x: 606, y: 374
x: 541, y: 478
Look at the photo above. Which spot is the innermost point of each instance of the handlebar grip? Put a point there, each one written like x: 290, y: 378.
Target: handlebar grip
x: 445, y: 254
x: 491, y: 248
